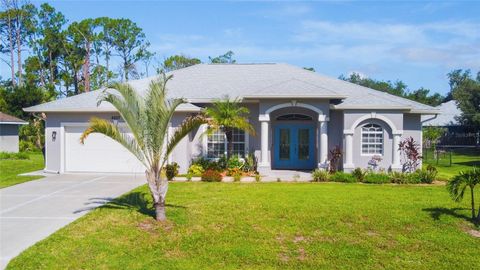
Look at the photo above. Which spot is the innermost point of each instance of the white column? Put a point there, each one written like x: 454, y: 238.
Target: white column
x: 264, y: 120
x: 396, y: 153
x: 322, y: 141
x: 348, y: 165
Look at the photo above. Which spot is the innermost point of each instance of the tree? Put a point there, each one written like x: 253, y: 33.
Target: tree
x: 397, y: 88
x: 129, y: 42
x: 175, y: 62
x: 457, y: 186
x: 226, y: 58
x: 431, y: 135
x: 466, y: 91
x: 309, y: 68
x: 146, y: 57
x: 226, y: 115
x: 106, y: 39
x: 148, y: 119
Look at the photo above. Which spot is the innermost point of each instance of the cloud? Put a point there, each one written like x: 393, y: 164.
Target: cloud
x: 438, y: 43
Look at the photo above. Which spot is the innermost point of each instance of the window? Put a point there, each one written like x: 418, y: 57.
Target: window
x: 372, y: 139
x: 294, y: 116
x: 217, y: 144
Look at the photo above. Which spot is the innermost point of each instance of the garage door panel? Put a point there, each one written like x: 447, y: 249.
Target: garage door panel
x: 98, y: 154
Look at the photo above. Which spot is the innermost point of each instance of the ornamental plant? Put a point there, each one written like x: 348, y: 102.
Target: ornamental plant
x: 410, y: 150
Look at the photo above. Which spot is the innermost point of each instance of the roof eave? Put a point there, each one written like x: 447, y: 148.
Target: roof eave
x: 14, y: 123
x: 95, y: 110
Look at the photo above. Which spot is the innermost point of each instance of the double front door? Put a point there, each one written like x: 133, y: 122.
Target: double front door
x: 294, y: 146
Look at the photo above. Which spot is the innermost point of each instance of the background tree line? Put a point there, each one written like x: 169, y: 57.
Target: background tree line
x: 49, y: 57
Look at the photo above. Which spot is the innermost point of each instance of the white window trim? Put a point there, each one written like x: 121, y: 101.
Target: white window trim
x: 361, y: 141
x: 205, y: 144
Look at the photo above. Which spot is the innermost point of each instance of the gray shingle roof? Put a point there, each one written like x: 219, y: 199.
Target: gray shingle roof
x: 9, y: 119
x: 204, y: 82
x: 449, y: 111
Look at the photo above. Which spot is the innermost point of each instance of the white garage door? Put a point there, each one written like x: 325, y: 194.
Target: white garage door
x: 98, y: 154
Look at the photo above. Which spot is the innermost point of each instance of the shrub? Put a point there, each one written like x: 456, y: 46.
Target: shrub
x: 428, y: 175
x: 236, y: 173
x: 359, y: 174
x: 342, y: 177
x: 235, y: 163
x: 188, y: 176
x: 210, y: 164
x: 251, y: 163
x: 320, y: 175
x: 27, y: 146
x: 211, y: 176
x: 171, y: 170
x: 258, y: 177
x: 376, y: 178
x: 195, y: 170
x: 404, y: 178
x: 10, y: 155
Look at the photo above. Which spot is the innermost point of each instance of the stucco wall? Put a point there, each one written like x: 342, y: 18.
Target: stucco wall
x: 384, y: 118
x: 9, y: 138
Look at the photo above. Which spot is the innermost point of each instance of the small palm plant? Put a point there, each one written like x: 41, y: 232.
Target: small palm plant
x: 147, y: 119
x: 458, y: 185
x: 227, y: 115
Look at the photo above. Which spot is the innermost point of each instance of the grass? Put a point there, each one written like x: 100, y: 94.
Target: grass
x: 268, y: 226
x: 11, y: 168
x: 462, y: 159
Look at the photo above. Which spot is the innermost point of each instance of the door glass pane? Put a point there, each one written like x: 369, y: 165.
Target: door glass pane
x: 284, y: 144
x: 303, y: 144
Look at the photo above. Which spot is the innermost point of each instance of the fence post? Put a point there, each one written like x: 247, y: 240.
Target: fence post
x: 450, y: 158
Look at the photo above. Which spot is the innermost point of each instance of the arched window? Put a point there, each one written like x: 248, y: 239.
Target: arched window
x: 294, y: 116
x: 372, y: 139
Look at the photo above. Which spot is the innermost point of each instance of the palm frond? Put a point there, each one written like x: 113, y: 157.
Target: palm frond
x: 102, y: 126
x: 189, y: 124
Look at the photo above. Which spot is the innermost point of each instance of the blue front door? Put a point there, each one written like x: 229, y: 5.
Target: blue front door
x: 294, y: 146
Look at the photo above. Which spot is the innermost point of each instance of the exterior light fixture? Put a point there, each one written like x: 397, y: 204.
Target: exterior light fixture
x: 54, y: 136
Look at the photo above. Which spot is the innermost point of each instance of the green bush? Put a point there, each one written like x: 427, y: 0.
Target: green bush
x: 404, y: 178
x: 171, y: 170
x: 195, y: 170
x: 258, y: 177
x: 10, y: 155
x: 428, y: 175
x: 235, y: 163
x: 359, y: 174
x: 211, y: 176
x: 320, y: 175
x: 342, y: 177
x: 218, y: 165
x: 27, y: 146
x: 376, y: 178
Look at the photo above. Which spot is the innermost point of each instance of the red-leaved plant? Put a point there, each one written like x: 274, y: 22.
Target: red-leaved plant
x: 411, y: 154
x: 334, y: 158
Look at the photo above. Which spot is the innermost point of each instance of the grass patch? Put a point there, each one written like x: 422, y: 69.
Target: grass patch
x: 11, y: 167
x: 268, y: 226
x: 462, y: 159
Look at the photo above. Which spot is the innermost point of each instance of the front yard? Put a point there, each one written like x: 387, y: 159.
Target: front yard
x: 11, y: 168
x: 268, y: 226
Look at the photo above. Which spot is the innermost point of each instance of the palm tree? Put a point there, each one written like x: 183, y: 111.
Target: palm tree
x: 457, y: 186
x: 227, y: 115
x: 147, y: 119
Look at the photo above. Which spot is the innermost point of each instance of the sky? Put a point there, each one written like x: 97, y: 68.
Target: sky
x: 417, y: 42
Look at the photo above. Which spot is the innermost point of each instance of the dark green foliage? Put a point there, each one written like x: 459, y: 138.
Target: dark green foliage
x: 234, y: 162
x: 211, y: 176
x: 175, y: 62
x: 397, y: 88
x: 171, y: 170
x: 359, y: 174
x: 226, y: 58
x: 466, y: 91
x: 206, y: 164
x: 460, y: 183
x: 8, y: 155
x: 376, y: 178
x: 342, y: 177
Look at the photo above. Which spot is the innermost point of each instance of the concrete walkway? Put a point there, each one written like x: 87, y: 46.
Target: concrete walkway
x: 31, y: 211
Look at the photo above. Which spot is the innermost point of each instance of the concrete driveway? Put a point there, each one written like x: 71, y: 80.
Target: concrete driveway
x: 31, y: 211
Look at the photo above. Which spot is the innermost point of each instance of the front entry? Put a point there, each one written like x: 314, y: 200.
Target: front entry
x: 294, y: 146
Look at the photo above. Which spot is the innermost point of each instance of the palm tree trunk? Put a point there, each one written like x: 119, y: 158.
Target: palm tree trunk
x: 473, y: 203
x: 229, y: 136
x: 158, y: 190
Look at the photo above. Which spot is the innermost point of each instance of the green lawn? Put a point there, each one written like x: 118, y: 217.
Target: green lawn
x: 10, y: 168
x: 268, y: 226
x: 462, y: 159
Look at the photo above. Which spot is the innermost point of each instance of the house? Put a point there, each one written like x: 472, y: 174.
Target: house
x: 456, y: 134
x: 299, y: 116
x: 9, y: 126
